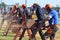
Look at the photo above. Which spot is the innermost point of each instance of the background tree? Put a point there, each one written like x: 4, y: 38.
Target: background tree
x: 0, y: 5
x: 3, y: 5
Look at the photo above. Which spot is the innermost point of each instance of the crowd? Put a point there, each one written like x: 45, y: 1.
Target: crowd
x: 51, y: 16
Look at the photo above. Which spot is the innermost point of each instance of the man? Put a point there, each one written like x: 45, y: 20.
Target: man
x: 52, y: 18
x: 14, y: 11
x: 4, y: 12
x: 38, y: 24
x: 18, y: 13
x: 25, y: 19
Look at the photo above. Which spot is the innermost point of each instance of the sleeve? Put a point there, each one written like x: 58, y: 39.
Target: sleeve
x: 40, y: 12
x: 49, y: 16
x: 25, y: 12
x: 34, y: 9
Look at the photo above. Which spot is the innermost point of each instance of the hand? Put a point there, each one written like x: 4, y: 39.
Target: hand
x: 49, y: 30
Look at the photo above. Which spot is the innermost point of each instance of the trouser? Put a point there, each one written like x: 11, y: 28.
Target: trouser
x: 51, y: 35
x: 24, y: 29
x: 34, y: 31
x: 19, y: 20
x: 22, y: 33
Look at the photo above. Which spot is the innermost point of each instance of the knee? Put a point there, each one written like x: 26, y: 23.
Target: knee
x: 32, y: 36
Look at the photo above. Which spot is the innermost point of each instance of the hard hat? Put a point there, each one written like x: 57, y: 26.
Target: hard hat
x: 15, y: 6
x: 48, y: 6
x: 23, y: 6
x: 34, y: 4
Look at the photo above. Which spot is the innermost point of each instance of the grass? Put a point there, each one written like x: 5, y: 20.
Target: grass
x: 11, y: 35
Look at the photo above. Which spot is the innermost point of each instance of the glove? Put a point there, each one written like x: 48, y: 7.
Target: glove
x: 49, y: 31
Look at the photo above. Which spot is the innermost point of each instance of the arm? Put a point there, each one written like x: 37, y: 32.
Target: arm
x: 48, y: 17
x: 33, y: 11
